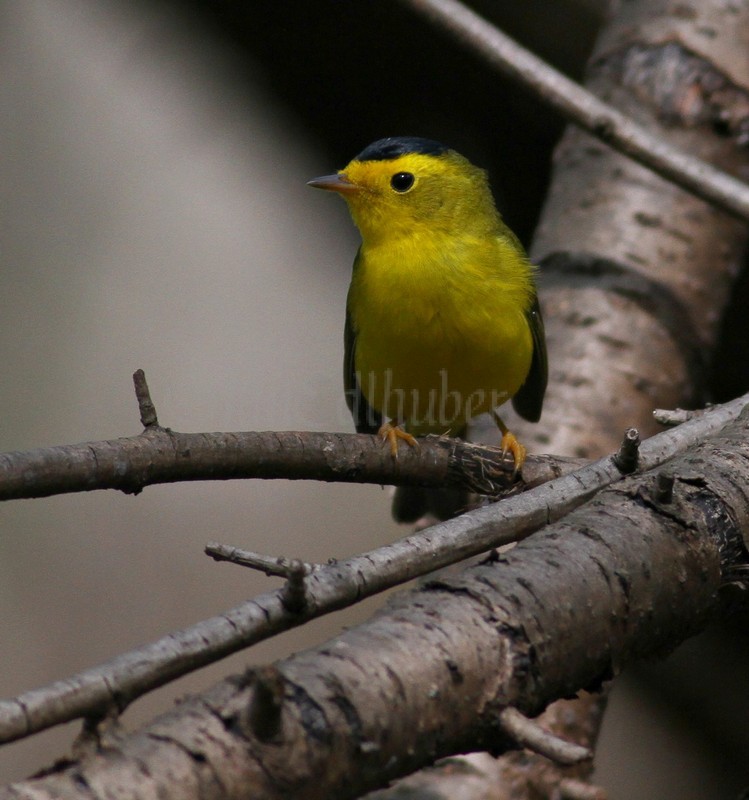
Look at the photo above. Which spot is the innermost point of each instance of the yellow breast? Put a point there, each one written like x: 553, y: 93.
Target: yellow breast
x: 441, y: 328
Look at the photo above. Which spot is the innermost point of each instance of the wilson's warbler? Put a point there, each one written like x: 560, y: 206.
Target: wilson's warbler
x: 442, y: 319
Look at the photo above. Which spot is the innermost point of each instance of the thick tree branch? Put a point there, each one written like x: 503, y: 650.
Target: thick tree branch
x: 119, y: 681
x: 351, y: 714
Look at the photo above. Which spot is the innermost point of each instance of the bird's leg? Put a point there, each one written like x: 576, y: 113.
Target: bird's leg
x: 510, y: 444
x: 391, y: 432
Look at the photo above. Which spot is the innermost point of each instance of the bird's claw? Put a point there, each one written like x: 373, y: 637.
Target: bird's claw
x: 511, y: 445
x: 391, y: 433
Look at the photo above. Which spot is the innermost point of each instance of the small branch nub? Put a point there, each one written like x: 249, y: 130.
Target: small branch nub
x: 148, y: 416
x: 664, y: 487
x: 264, y: 713
x: 294, y: 592
x: 629, y: 450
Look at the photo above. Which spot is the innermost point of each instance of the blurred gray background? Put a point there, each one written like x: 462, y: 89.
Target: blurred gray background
x: 155, y: 215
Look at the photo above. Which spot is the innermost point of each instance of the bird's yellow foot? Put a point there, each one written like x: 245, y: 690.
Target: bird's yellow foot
x: 391, y: 433
x: 510, y: 444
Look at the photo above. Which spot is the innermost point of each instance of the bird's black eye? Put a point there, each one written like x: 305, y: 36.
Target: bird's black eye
x: 402, y: 181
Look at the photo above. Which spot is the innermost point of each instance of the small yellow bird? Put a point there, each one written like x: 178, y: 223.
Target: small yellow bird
x: 442, y: 318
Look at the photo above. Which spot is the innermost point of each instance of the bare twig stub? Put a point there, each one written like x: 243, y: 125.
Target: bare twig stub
x: 264, y: 711
x: 672, y: 417
x: 664, y: 486
x: 571, y: 789
x: 629, y: 450
x: 270, y: 565
x: 531, y: 735
x: 294, y: 593
x: 148, y: 416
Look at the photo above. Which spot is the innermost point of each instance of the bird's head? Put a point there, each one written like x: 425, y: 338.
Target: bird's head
x: 406, y: 185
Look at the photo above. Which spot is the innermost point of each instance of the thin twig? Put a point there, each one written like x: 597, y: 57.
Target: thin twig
x: 277, y: 566
x: 572, y: 789
x: 532, y: 736
x: 334, y: 586
x: 585, y: 109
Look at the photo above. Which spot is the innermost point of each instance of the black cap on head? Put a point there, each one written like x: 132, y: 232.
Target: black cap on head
x: 396, y: 146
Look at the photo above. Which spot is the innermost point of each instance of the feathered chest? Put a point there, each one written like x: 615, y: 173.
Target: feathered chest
x: 431, y: 323
x: 431, y: 293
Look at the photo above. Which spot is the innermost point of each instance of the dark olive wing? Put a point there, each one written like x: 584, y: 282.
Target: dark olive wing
x: 366, y: 419
x: 530, y: 397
